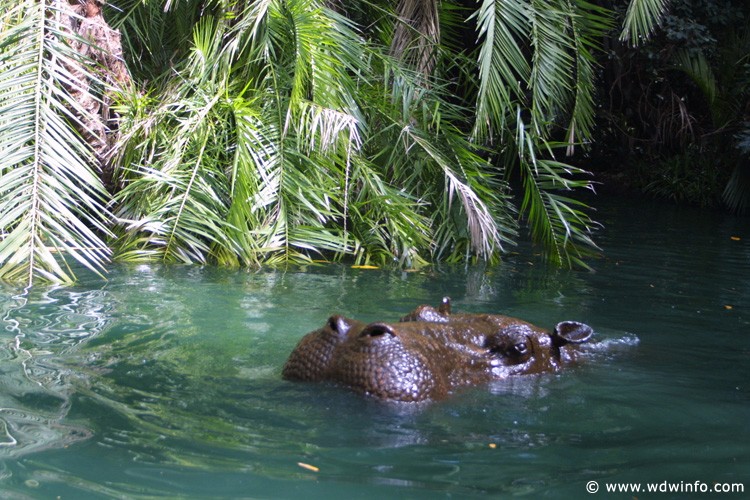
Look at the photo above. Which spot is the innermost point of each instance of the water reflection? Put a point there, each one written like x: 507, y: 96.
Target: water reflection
x: 39, y: 326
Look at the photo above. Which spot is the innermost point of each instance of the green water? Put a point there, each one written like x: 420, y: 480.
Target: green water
x: 164, y: 382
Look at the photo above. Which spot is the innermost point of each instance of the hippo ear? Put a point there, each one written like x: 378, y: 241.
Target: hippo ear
x: 339, y: 324
x: 445, y: 306
x: 378, y: 330
x: 572, y: 332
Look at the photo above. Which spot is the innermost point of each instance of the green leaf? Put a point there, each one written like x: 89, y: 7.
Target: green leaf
x: 641, y: 19
x: 502, y: 26
x: 52, y: 204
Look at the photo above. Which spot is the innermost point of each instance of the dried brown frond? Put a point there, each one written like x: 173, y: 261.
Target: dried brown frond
x: 417, y: 35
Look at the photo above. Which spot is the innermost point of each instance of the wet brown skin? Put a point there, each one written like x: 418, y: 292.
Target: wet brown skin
x: 430, y: 353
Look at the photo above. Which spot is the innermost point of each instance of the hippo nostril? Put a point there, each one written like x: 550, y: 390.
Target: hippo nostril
x: 378, y: 330
x: 332, y: 323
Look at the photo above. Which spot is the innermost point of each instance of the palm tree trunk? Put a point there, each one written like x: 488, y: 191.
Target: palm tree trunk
x: 101, y: 51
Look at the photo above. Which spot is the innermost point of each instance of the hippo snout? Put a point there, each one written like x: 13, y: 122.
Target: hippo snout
x: 317, y: 352
x: 379, y: 364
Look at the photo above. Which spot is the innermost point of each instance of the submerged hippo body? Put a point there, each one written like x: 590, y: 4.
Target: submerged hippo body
x: 430, y: 352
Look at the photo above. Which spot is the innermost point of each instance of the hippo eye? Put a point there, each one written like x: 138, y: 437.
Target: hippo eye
x: 519, y: 349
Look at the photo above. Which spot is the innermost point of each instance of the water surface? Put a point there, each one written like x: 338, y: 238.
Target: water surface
x: 165, y: 381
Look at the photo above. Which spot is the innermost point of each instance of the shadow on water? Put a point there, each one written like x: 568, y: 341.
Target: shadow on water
x: 165, y: 381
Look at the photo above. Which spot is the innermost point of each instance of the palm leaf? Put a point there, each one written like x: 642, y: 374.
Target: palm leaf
x: 299, y: 134
x: 589, y: 23
x: 736, y: 193
x: 421, y: 150
x: 559, y: 223
x: 175, y: 210
x: 697, y: 67
x: 485, y: 236
x: 502, y: 26
x: 553, y: 62
x: 417, y: 35
x: 51, y: 202
x: 641, y: 19
x: 387, y: 221
x: 273, y: 104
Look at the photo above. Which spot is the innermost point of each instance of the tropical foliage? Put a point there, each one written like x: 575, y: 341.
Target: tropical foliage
x: 288, y: 130
x: 52, y: 202
x: 679, y: 107
x: 272, y: 148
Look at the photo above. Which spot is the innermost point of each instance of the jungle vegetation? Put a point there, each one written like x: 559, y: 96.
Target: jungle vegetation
x: 269, y: 132
x: 677, y: 108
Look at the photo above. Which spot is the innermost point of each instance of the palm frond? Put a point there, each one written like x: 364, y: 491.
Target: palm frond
x: 51, y: 202
x: 553, y: 62
x: 484, y: 234
x: 589, y: 24
x: 324, y: 129
x: 254, y: 183
x: 273, y: 104
x: 153, y: 36
x: 417, y: 35
x: 503, y: 67
x: 558, y: 222
x: 641, y: 19
x: 175, y: 209
x: 696, y: 66
x: 736, y: 193
x: 387, y: 221
x: 299, y: 132
x: 312, y: 130
x: 422, y: 150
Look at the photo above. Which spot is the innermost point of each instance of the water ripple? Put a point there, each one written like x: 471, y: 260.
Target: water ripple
x: 40, y: 325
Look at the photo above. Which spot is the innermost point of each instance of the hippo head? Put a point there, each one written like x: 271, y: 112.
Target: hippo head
x: 429, y: 353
